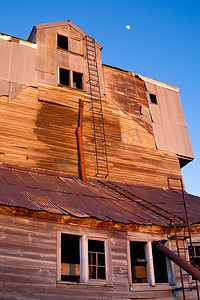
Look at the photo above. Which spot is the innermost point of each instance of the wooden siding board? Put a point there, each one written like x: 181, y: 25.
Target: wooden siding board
x: 31, y: 273
x: 51, y: 147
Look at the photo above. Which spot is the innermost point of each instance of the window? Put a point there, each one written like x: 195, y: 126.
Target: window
x: 138, y: 262
x: 64, y: 76
x: 62, y: 42
x: 147, y: 264
x: 159, y: 262
x: 196, y: 247
x: 70, y: 78
x: 77, y: 80
x: 83, y: 259
x: 70, y: 258
x: 153, y: 98
x: 96, y: 259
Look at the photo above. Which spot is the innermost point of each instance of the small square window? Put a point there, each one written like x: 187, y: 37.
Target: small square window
x: 64, y: 76
x: 153, y: 98
x: 70, y: 257
x: 77, y: 80
x: 96, y: 259
x: 138, y: 262
x: 62, y: 42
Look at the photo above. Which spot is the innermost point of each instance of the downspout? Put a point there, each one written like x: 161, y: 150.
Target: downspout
x: 179, y: 261
x: 80, y: 142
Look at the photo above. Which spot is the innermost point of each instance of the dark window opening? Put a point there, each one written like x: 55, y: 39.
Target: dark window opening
x: 196, y: 249
x: 64, y: 76
x: 138, y: 262
x: 153, y: 98
x: 160, y: 268
x: 77, y: 80
x: 96, y: 259
x: 70, y: 258
x: 62, y: 42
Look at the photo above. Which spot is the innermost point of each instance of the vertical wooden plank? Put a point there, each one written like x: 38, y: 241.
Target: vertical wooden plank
x: 149, y: 254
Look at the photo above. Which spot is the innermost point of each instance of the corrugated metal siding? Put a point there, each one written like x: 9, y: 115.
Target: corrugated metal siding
x: 103, y: 200
x: 18, y: 68
x: 169, y: 126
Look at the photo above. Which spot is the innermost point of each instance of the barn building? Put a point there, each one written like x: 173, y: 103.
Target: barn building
x: 92, y: 201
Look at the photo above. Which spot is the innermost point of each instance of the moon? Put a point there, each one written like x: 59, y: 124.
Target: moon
x: 128, y: 27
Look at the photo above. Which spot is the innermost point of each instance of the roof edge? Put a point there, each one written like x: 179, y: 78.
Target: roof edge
x: 61, y: 23
x: 144, y: 78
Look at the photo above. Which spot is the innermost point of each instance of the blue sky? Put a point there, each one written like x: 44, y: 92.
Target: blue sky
x: 163, y: 43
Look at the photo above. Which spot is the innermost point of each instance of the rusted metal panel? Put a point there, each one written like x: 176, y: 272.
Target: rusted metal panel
x: 10, y: 176
x: 14, y: 196
x: 44, y: 203
x: 23, y: 67
x: 18, y: 68
x: 28, y: 180
x: 46, y: 182
x: 63, y: 201
x: 5, y: 59
x: 4, y: 87
x: 103, y: 200
x: 169, y: 126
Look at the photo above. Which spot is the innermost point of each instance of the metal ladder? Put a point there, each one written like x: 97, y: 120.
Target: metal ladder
x: 181, y: 246
x: 96, y: 109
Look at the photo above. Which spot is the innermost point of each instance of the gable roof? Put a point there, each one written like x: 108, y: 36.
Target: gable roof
x: 59, y: 24
x: 104, y: 200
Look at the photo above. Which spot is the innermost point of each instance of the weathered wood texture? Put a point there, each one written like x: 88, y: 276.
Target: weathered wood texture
x: 50, y: 57
x: 41, y: 134
x: 28, y: 264
x: 132, y: 154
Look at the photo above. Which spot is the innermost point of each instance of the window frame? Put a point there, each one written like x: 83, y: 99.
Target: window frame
x: 68, y: 43
x: 84, y: 265
x: 150, y: 265
x: 71, y: 81
x: 195, y: 242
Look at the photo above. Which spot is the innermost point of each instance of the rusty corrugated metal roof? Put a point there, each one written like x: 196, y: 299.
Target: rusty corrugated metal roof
x: 100, y: 199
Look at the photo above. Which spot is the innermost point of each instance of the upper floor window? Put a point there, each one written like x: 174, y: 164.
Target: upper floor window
x: 64, y: 76
x: 62, y: 42
x: 153, y: 98
x: 77, y: 80
x: 70, y: 78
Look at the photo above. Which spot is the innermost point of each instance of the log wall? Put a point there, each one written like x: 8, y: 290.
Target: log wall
x: 28, y: 264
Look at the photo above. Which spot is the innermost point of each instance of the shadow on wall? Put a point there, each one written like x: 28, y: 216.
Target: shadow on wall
x: 55, y: 127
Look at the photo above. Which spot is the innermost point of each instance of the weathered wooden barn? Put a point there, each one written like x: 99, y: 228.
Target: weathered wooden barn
x: 90, y: 176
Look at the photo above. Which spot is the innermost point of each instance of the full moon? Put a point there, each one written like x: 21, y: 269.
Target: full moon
x: 128, y: 26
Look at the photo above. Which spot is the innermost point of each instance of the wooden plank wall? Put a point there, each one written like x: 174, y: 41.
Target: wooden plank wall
x: 41, y: 134
x: 132, y: 154
x: 28, y: 262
